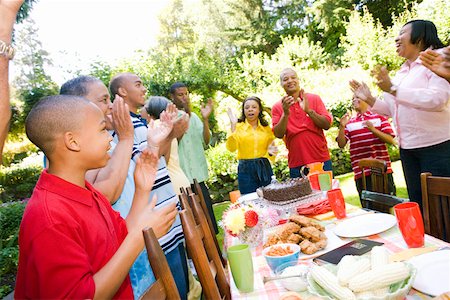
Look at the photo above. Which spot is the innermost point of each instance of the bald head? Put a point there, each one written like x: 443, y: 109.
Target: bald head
x: 286, y: 71
x: 53, y: 116
x: 117, y: 82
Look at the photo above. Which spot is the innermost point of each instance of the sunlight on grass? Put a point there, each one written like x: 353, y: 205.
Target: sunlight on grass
x: 347, y: 185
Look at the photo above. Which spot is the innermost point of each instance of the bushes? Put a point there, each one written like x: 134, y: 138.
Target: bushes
x: 17, y: 182
x: 10, y: 218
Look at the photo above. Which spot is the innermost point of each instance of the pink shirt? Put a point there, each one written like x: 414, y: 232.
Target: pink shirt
x: 420, y: 111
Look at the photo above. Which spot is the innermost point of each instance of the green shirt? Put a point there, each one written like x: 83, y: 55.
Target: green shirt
x: 191, y: 152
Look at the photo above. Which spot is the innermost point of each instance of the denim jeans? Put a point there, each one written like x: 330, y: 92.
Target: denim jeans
x: 253, y: 173
x: 295, y: 172
x: 434, y: 159
x: 178, y: 266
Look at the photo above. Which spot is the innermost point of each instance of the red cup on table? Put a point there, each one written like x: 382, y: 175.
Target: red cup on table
x: 337, y: 203
x: 314, y: 181
x: 410, y: 223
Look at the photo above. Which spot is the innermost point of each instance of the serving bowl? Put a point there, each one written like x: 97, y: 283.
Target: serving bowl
x: 279, y: 261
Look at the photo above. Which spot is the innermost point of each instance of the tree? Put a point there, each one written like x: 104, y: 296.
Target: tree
x: 32, y: 82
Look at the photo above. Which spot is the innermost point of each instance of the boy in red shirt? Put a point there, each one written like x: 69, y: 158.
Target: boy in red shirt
x: 72, y: 244
x: 368, y: 134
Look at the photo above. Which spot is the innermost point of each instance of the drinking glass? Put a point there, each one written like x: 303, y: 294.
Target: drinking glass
x: 410, y: 223
x: 337, y: 203
x: 241, y: 265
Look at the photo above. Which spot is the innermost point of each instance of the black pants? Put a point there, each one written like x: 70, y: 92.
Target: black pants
x: 391, y: 185
x: 434, y: 159
x: 208, y: 202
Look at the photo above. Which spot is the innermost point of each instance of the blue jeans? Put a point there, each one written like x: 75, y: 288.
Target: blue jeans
x: 253, y: 173
x: 434, y: 159
x: 295, y: 172
x: 178, y: 265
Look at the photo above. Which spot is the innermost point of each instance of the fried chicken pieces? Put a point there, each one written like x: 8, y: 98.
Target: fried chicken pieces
x: 300, y: 230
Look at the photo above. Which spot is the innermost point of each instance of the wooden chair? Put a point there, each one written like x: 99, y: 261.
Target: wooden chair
x: 164, y: 287
x: 436, y: 205
x: 378, y: 175
x: 380, y: 202
x: 203, y: 252
x: 201, y: 200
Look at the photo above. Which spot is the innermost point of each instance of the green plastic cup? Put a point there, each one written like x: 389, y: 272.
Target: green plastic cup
x: 324, y: 182
x: 241, y: 265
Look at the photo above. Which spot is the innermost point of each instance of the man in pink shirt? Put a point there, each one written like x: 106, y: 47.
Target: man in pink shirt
x: 417, y: 99
x: 300, y: 118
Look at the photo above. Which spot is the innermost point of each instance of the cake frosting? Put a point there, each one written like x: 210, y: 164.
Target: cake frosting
x: 288, y: 190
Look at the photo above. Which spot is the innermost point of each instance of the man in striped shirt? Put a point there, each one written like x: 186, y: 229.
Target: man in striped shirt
x: 368, y: 134
x: 130, y: 87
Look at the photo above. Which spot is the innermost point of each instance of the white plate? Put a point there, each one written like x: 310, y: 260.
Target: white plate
x: 365, y: 225
x: 247, y: 197
x: 433, y: 272
x: 333, y: 242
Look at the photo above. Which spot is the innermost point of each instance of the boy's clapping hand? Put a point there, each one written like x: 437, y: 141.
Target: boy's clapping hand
x: 145, y: 171
x: 160, y: 219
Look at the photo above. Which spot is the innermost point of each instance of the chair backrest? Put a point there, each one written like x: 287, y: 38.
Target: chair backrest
x: 198, y: 191
x: 378, y: 175
x: 379, y: 201
x: 436, y: 205
x: 164, y: 287
x: 202, y: 250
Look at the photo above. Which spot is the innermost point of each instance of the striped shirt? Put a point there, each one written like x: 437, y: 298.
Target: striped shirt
x: 364, y: 144
x: 141, y: 274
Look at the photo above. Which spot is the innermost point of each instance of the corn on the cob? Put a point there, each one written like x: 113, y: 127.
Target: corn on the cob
x: 379, y: 257
x: 329, y: 282
x: 360, y: 266
x: 345, y: 262
x: 380, y: 277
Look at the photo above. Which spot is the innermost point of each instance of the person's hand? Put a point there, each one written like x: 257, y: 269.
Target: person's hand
x: 206, y: 109
x: 305, y: 102
x: 181, y: 125
x: 121, y: 119
x: 172, y: 111
x: 287, y: 102
x: 160, y: 219
x: 8, y: 13
x: 344, y: 120
x: 437, y: 63
x: 369, y: 125
x: 361, y: 91
x: 233, y: 119
x: 145, y: 171
x: 158, y: 131
x: 272, y: 149
x: 382, y: 79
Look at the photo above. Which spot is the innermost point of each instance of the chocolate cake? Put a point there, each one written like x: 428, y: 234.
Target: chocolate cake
x: 284, y: 191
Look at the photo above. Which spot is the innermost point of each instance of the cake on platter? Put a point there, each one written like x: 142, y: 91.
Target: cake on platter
x: 290, y: 189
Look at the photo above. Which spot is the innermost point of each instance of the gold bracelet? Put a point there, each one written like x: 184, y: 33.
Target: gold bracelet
x: 7, y: 50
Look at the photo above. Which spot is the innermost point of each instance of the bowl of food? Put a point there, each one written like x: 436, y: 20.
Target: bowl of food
x: 281, y: 255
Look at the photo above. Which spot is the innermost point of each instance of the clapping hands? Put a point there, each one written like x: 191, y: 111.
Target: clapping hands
x: 233, y: 119
x: 158, y: 131
x: 206, y: 109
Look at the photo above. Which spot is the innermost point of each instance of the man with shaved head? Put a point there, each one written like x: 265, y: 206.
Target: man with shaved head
x: 130, y: 87
x: 300, y: 119
x: 72, y: 244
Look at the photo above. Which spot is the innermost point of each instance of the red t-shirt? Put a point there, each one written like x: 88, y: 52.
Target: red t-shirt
x: 304, y: 140
x: 67, y: 234
x: 364, y: 144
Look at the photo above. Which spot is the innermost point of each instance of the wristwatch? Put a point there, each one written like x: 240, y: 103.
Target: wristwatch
x: 393, y: 90
x: 6, y: 50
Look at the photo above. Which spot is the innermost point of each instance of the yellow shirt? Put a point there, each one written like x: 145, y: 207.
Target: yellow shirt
x: 250, y: 143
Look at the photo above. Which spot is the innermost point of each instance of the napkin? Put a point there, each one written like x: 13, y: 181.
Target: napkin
x: 329, y: 215
x: 410, y: 253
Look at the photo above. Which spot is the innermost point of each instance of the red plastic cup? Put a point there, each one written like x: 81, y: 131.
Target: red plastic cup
x: 314, y: 181
x: 410, y: 222
x: 337, y: 203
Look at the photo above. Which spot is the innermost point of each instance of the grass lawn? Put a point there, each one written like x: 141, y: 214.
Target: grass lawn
x: 347, y: 185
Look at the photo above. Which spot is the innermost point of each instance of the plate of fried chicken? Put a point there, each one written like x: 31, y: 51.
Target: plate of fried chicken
x: 312, y: 237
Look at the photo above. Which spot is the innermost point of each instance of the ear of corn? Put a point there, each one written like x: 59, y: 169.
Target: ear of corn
x: 379, y: 257
x: 329, y: 282
x: 352, y: 270
x: 379, y: 278
x: 343, y: 265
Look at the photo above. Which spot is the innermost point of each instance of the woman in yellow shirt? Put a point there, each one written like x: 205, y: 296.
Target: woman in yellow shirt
x: 252, y: 137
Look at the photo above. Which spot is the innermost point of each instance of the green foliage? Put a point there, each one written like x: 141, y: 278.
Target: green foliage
x: 222, y: 172
x: 340, y: 159
x: 10, y: 218
x: 17, y: 181
x: 18, y: 148
x: 338, y: 109
x: 281, y: 168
